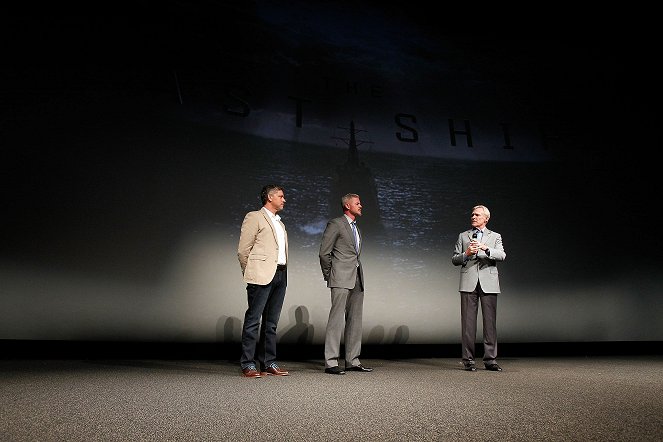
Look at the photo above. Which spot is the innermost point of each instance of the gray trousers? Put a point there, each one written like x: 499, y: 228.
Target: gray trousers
x: 469, y: 305
x: 344, y: 321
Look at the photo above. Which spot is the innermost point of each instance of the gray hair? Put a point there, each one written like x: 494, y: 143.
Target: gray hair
x: 347, y: 197
x: 485, y: 210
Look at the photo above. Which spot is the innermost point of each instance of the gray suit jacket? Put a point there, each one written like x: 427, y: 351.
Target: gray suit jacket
x: 480, y: 267
x: 339, y: 261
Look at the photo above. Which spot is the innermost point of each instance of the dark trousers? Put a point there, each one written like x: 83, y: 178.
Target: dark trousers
x: 469, y: 307
x: 260, y: 321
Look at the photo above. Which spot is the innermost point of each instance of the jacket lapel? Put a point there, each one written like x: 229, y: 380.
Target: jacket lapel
x: 269, y: 222
x: 348, y: 230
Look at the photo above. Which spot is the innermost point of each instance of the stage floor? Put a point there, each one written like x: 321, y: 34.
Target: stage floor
x: 617, y: 398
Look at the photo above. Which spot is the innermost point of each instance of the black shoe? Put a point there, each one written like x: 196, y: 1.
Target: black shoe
x: 493, y: 367
x: 334, y: 370
x: 469, y: 367
x: 358, y: 368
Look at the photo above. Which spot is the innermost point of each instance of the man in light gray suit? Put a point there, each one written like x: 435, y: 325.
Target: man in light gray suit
x: 340, y: 249
x: 477, y: 252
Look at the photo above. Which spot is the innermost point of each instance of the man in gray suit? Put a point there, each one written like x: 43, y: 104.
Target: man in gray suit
x: 340, y: 249
x: 477, y: 252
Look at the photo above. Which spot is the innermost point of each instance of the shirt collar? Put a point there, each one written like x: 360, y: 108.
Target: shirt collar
x: 271, y: 215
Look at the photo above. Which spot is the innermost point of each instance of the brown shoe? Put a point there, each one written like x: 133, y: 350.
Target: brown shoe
x: 251, y: 372
x: 274, y: 370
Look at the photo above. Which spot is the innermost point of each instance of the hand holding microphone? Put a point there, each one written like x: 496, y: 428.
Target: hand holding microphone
x: 473, y: 248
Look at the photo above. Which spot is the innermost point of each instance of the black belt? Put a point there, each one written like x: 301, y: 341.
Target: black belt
x: 281, y: 267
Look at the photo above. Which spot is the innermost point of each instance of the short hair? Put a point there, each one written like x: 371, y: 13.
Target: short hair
x: 268, y: 190
x: 485, y: 210
x: 347, y: 197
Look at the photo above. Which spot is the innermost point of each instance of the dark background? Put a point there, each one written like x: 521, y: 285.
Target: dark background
x: 128, y: 167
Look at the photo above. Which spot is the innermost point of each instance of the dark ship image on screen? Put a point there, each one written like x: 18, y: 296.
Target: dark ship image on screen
x: 355, y: 177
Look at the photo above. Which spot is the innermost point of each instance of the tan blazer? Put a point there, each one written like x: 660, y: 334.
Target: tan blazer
x: 258, y: 249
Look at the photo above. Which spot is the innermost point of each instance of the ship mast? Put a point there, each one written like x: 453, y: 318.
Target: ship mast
x: 353, y: 143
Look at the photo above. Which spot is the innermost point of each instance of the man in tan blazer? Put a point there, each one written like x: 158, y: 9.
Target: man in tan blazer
x: 263, y: 257
x: 477, y: 252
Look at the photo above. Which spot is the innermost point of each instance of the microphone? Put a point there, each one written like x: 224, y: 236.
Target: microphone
x: 474, y: 237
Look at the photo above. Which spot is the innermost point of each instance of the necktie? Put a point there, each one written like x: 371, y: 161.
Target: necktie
x: 355, y: 235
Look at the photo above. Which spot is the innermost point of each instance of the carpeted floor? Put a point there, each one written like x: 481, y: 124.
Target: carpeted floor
x: 424, y: 399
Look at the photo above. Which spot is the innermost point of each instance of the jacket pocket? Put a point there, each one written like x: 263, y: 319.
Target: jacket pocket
x: 258, y: 257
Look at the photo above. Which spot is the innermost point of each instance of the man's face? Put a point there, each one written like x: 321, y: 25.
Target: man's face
x: 354, y: 207
x: 478, y: 219
x: 276, y: 200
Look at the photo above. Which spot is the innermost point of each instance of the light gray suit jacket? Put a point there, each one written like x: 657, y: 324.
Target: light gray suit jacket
x: 480, y: 267
x: 339, y: 261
